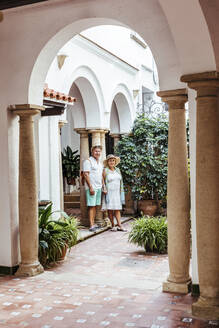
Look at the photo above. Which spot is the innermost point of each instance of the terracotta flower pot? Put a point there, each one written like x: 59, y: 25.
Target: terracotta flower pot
x: 63, y: 255
x: 148, y: 207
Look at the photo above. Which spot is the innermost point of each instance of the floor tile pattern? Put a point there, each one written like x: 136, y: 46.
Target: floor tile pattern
x: 105, y: 282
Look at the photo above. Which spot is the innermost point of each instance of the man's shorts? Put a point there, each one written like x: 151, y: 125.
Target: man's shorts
x: 93, y: 200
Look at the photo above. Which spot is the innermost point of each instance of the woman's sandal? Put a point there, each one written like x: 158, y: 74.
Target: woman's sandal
x: 121, y: 229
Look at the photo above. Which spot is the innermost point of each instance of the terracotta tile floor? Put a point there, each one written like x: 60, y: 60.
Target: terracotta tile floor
x: 105, y: 282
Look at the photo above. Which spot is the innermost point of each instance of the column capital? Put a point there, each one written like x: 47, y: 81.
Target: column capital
x: 176, y: 99
x: 94, y: 130
x: 206, y: 83
x: 25, y: 110
x: 81, y: 130
x: 115, y: 135
x: 62, y: 123
x: 103, y: 132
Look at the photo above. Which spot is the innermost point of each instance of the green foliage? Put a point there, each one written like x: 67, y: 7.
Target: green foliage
x: 70, y: 164
x: 55, y: 235
x: 150, y: 233
x: 143, y: 156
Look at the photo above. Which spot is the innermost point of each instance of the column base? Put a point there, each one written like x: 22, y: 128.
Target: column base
x: 106, y: 219
x: 173, y: 287
x: 29, y: 270
x: 203, y: 309
x: 84, y: 220
x: 99, y: 218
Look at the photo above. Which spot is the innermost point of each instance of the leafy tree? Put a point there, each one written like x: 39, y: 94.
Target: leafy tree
x: 143, y: 155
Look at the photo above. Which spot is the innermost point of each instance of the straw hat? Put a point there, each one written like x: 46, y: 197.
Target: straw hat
x: 117, y: 160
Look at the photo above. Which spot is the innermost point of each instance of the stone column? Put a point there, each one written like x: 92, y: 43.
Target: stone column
x: 28, y: 198
x: 84, y: 154
x: 116, y: 137
x: 178, y: 204
x: 103, y: 143
x: 207, y: 191
x: 106, y: 221
x: 96, y: 140
x: 61, y: 124
x: 95, y: 137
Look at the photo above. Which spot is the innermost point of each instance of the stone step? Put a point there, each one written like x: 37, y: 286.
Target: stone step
x: 72, y: 197
x: 71, y: 205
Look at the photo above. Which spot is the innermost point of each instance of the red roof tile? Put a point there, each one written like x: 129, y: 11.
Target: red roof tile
x: 50, y: 93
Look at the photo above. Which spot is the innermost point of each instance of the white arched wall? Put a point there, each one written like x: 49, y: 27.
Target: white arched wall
x: 192, y: 39
x: 76, y: 118
x: 125, y: 107
x: 114, y: 119
x: 154, y: 20
x: 125, y: 119
x: 77, y: 111
x: 91, y: 92
x: 178, y: 60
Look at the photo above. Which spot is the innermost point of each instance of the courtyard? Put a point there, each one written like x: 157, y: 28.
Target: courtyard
x: 104, y: 282
x: 80, y: 73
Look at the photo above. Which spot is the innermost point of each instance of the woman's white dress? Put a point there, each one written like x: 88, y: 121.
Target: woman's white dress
x: 113, y: 197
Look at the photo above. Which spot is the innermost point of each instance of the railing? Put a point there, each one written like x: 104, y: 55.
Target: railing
x: 153, y: 108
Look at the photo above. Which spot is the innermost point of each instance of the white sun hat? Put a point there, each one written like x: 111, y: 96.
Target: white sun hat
x: 117, y: 160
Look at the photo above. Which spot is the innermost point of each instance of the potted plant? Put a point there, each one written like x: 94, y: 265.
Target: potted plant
x: 55, y: 236
x: 70, y: 233
x: 143, y: 155
x: 70, y: 165
x: 150, y: 233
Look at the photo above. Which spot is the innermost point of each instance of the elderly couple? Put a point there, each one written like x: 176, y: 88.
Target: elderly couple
x: 107, y: 180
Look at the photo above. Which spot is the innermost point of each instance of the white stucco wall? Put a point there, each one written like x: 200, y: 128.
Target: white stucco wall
x: 32, y: 35
x: 49, y: 178
x: 192, y: 145
x: 114, y: 119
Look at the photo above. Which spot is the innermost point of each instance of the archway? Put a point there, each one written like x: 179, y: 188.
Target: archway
x: 85, y: 115
x: 173, y: 56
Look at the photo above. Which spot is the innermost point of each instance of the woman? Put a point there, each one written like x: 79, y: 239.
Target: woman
x: 113, y: 189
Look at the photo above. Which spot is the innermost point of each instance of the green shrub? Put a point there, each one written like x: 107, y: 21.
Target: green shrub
x: 150, y: 233
x: 143, y: 156
x: 55, y: 235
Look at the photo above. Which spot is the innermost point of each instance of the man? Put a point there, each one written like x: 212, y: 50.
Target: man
x: 93, y: 170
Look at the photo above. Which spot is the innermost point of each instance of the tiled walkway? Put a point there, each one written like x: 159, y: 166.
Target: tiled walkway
x: 105, y: 282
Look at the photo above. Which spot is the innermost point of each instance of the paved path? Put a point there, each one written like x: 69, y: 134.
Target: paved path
x: 105, y: 282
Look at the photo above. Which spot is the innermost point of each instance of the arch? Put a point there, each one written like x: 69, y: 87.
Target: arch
x: 154, y: 20
x: 91, y: 92
x: 125, y: 107
x: 90, y: 100
x: 192, y: 40
x: 58, y: 40
x: 76, y: 114
x: 49, y: 51
x: 173, y: 57
x: 211, y: 13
